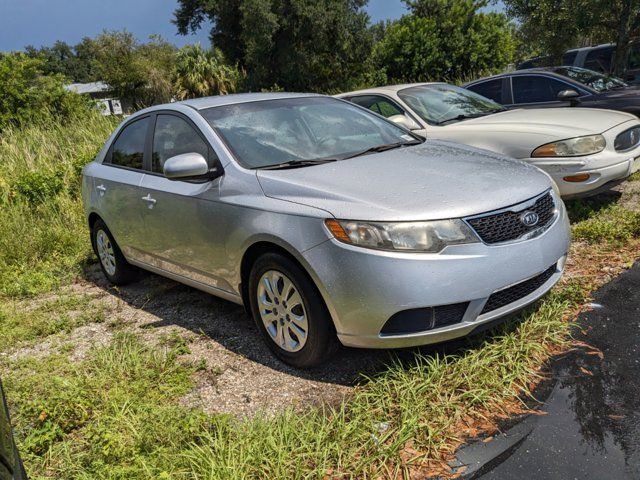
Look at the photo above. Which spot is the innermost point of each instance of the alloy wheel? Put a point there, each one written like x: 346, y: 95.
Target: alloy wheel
x: 282, y: 311
x: 105, y: 252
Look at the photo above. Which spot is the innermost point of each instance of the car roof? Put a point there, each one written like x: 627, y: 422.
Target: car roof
x: 219, y: 100
x: 232, y: 99
x: 387, y: 88
x: 525, y: 71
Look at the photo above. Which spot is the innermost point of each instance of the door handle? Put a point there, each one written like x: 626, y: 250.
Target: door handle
x: 101, y: 189
x: 149, y: 200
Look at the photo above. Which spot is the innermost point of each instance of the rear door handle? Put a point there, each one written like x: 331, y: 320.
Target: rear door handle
x: 149, y: 200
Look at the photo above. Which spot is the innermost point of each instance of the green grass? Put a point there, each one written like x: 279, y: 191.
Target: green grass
x: 112, y: 415
x: 22, y: 322
x: 115, y: 412
x: 44, y: 238
x: 611, y: 223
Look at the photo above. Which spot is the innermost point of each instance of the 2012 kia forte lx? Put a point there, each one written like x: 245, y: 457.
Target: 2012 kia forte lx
x: 328, y: 222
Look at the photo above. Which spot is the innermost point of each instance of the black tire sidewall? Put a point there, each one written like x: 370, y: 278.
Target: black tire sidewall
x: 320, y: 335
x: 125, y: 272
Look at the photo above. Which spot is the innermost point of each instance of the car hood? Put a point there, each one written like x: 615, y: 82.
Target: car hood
x: 434, y: 180
x: 557, y: 123
x: 631, y: 92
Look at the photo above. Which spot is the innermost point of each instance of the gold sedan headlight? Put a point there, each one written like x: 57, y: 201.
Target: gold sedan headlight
x: 572, y: 147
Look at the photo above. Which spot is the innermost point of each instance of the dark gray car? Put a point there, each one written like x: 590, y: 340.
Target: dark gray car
x: 559, y: 87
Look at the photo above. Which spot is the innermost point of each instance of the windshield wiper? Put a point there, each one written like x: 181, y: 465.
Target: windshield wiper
x: 469, y: 116
x: 383, y: 148
x: 298, y: 164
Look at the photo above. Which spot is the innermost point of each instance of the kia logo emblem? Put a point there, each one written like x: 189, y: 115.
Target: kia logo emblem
x: 529, y: 218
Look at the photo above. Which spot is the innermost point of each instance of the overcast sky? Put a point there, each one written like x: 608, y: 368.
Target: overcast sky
x: 42, y: 22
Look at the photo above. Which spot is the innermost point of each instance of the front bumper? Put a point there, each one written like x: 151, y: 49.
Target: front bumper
x: 364, y: 288
x: 606, y: 169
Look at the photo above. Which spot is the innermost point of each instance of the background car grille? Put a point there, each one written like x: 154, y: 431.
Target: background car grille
x: 518, y: 291
x: 506, y: 226
x: 423, y: 319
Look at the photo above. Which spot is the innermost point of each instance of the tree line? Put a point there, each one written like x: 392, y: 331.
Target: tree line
x: 307, y: 45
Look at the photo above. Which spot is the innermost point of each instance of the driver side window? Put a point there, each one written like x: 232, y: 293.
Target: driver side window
x: 174, y: 136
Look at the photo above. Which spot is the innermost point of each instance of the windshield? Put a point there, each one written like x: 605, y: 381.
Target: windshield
x: 439, y: 103
x: 595, y: 80
x: 273, y: 132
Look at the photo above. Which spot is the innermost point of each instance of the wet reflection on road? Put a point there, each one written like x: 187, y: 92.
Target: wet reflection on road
x: 592, y: 424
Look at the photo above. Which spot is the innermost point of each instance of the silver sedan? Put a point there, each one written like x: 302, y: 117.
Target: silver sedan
x: 326, y: 221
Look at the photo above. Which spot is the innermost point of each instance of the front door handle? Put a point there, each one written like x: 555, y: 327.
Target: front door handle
x: 149, y: 200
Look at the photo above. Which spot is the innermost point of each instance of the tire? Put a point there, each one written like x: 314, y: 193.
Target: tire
x: 113, y: 264
x: 280, y: 323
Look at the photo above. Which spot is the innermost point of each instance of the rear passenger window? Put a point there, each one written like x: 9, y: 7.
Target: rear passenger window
x: 490, y: 89
x: 174, y: 136
x: 599, y: 60
x: 534, y: 89
x: 128, y: 149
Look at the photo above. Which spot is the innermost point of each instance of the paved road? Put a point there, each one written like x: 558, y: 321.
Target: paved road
x: 592, y: 426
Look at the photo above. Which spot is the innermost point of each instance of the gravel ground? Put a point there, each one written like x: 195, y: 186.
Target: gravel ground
x: 241, y: 376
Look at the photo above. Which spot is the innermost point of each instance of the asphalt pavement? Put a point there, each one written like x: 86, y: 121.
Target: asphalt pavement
x: 590, y: 426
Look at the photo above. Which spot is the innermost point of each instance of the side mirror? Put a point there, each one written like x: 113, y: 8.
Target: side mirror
x: 405, y: 122
x: 187, y: 165
x: 568, y: 95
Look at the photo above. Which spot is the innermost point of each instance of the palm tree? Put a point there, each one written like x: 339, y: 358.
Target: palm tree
x: 200, y: 73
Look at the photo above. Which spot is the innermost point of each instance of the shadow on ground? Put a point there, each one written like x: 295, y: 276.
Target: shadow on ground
x: 227, y: 324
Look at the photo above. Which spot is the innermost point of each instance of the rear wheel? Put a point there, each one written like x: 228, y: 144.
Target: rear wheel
x: 290, y: 312
x: 113, y: 264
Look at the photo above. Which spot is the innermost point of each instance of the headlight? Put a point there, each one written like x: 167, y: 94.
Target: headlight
x: 403, y: 236
x: 627, y: 140
x: 572, y: 147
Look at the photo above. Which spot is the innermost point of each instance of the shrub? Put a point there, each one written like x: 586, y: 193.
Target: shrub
x: 445, y: 39
x: 27, y: 96
x: 38, y: 186
x: 44, y: 235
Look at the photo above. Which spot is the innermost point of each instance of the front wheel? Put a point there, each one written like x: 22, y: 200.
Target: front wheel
x: 290, y: 312
x: 113, y: 264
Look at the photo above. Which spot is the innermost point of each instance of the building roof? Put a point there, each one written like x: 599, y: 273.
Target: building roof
x: 93, y: 87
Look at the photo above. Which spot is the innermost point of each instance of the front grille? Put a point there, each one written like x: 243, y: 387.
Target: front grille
x: 508, y: 225
x: 518, y: 291
x: 423, y: 319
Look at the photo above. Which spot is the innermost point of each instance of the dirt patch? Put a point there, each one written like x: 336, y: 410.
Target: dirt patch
x: 237, y: 373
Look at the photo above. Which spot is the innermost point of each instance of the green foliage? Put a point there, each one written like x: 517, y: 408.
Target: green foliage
x: 38, y: 186
x: 139, y: 74
x: 553, y: 26
x: 445, y: 39
x: 27, y: 96
x: 300, y: 45
x: 24, y: 322
x: 200, y: 73
x: 111, y: 415
x: 610, y: 224
x: 44, y: 235
x: 76, y: 63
